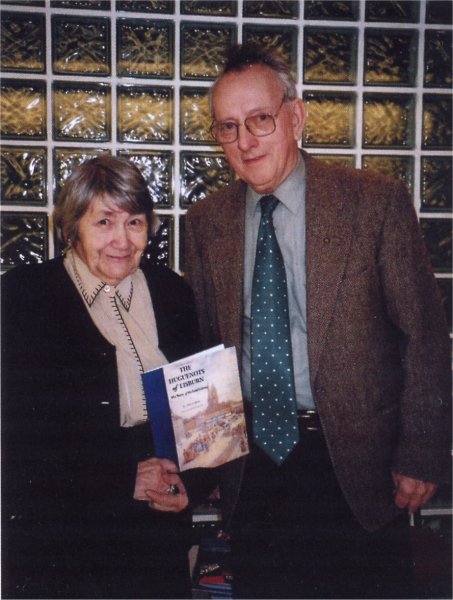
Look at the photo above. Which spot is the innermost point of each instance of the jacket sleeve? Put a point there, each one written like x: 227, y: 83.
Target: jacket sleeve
x: 413, y: 303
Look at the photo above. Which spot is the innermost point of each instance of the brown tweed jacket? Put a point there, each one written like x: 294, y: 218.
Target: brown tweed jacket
x: 377, y: 337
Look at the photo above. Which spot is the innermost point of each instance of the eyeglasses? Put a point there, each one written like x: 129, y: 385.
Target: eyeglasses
x: 260, y: 125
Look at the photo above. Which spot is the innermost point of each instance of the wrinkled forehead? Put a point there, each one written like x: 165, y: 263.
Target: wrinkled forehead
x: 254, y: 88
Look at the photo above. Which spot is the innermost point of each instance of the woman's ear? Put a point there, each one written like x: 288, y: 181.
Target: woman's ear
x: 298, y: 118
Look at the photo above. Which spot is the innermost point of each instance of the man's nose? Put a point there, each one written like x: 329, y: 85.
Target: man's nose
x: 245, y: 139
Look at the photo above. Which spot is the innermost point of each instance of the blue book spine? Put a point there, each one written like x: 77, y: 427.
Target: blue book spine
x: 159, y: 415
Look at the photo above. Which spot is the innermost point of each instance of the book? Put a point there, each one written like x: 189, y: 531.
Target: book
x: 196, y: 409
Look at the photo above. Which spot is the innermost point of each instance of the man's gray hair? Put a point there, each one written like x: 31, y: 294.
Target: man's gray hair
x: 240, y: 57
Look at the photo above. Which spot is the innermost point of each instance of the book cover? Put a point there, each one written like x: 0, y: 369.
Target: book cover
x: 196, y: 409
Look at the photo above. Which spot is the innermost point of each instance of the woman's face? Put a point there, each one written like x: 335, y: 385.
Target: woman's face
x: 111, y: 241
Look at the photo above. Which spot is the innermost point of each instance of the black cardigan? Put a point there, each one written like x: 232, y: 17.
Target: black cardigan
x: 68, y: 468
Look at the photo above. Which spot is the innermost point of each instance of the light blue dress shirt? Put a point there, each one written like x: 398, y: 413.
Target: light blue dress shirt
x: 289, y: 223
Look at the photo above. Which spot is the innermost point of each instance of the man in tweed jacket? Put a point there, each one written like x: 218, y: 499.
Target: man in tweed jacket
x: 376, y: 343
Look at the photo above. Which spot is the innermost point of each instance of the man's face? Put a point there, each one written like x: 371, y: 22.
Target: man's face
x: 263, y: 162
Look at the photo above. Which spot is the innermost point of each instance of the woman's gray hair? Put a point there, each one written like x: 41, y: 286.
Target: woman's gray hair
x: 115, y: 177
x: 240, y: 57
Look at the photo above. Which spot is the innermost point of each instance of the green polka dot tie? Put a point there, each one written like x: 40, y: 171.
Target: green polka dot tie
x: 273, y: 395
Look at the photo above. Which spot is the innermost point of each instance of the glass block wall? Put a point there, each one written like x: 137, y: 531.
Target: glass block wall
x: 130, y: 77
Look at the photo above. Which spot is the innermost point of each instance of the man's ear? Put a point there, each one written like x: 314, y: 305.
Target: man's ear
x: 298, y: 118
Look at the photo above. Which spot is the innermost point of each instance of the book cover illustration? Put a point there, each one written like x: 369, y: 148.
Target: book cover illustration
x: 196, y: 409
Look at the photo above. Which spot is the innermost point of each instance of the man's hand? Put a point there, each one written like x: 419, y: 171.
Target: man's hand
x: 158, y: 483
x: 412, y: 493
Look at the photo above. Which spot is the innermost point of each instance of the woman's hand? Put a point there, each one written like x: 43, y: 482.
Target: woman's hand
x: 158, y: 483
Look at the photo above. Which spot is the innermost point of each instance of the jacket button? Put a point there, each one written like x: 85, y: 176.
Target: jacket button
x: 326, y: 240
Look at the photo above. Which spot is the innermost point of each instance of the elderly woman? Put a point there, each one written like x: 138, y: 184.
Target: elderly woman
x: 78, y: 331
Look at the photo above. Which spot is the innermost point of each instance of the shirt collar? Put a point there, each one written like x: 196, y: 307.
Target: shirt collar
x: 90, y: 285
x: 288, y: 192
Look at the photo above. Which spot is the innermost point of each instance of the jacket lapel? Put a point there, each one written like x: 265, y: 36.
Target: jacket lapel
x: 329, y: 224
x: 226, y: 256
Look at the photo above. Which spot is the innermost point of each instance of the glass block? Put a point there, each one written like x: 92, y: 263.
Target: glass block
x: 65, y: 160
x: 201, y: 174
x: 340, y: 160
x: 388, y: 120
x: 346, y: 10
x: 81, y: 4
x: 283, y: 39
x: 446, y: 288
x: 24, y: 238
x: 437, y: 234
x: 330, y: 119
x: 145, y: 114
x: 148, y: 6
x: 437, y: 122
x: 393, y: 11
x: 23, y: 175
x: 23, y: 109
x: 157, y: 168
x: 145, y: 48
x: 80, y: 46
x: 195, y: 117
x: 160, y: 249
x: 39, y: 3
x: 438, y: 58
x: 81, y: 111
x: 330, y: 55
x: 439, y: 12
x: 209, y: 8
x: 203, y: 48
x: 398, y: 167
x: 390, y: 56
x: 436, y: 183
x: 22, y: 42
x: 272, y: 9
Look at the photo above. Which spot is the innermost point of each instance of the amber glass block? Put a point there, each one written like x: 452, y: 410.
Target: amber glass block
x: 438, y: 58
x: 398, y: 167
x: 24, y: 238
x: 195, y: 117
x: 23, y: 175
x: 340, y: 160
x: 437, y: 122
x: 160, y: 249
x: 436, y: 183
x: 330, y: 55
x: 390, y: 56
x: 209, y: 8
x: 446, y: 289
x: 80, y: 46
x: 271, y: 9
x: 145, y: 48
x: 203, y: 48
x: 346, y: 10
x: 201, y: 174
x: 22, y: 42
x: 23, y: 109
x: 439, y: 12
x: 330, y: 119
x: 437, y: 234
x: 145, y: 114
x: 282, y: 38
x: 393, y: 11
x: 152, y: 6
x: 65, y: 160
x: 388, y: 120
x: 81, y: 4
x: 156, y: 166
x: 81, y: 111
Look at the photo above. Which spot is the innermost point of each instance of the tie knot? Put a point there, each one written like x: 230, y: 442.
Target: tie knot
x: 268, y: 204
